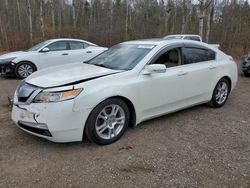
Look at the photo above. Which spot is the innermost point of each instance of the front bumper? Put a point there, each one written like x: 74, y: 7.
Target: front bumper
x: 7, y: 69
x: 57, y: 122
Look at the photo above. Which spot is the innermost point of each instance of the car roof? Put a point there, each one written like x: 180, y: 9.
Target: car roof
x: 70, y: 39
x: 159, y: 42
x: 183, y: 35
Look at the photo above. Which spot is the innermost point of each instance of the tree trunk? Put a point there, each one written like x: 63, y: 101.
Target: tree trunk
x: 209, y: 20
x: 167, y: 14
x: 183, y: 23
x: 111, y: 24
x: 19, y: 15
x: 30, y: 21
x: 74, y: 14
x: 201, y: 23
x: 4, y: 35
x: 42, y: 18
x: 7, y: 5
x: 174, y: 19
x: 127, y: 16
x: 53, y: 17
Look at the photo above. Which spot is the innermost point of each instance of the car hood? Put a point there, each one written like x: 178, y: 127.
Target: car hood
x: 67, y: 74
x: 13, y: 54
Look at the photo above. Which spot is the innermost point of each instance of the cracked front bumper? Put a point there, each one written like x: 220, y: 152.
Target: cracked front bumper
x: 56, y: 122
x: 7, y: 69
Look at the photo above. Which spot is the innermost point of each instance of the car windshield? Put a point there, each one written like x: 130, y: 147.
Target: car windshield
x: 122, y: 56
x: 38, y: 46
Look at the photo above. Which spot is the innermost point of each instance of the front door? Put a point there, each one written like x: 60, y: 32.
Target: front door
x: 58, y: 54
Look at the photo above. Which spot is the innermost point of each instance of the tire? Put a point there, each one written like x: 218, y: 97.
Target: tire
x: 24, y: 69
x: 247, y: 74
x: 220, y: 93
x: 104, y: 127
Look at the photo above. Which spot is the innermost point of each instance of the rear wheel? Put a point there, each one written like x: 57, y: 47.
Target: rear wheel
x: 24, y: 69
x: 107, y: 122
x: 221, y: 93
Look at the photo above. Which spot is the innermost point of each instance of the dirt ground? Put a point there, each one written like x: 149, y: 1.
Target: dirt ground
x: 197, y: 147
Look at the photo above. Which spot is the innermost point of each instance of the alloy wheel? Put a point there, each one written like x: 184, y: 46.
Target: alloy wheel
x: 110, y: 121
x: 221, y: 92
x: 25, y: 70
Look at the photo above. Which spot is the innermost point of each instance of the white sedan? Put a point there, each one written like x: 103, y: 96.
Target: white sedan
x: 129, y: 83
x: 46, y: 54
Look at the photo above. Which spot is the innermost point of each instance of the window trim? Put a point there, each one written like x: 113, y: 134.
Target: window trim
x: 163, y: 51
x: 180, y: 46
x: 195, y: 46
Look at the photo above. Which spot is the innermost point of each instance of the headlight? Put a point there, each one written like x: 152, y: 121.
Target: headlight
x: 47, y: 97
x: 7, y: 60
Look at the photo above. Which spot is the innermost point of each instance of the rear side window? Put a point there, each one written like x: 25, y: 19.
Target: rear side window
x: 75, y: 45
x: 196, y: 55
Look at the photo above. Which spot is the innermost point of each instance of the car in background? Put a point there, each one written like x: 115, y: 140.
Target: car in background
x: 46, y: 54
x: 131, y: 82
x: 185, y: 37
x: 188, y: 37
x: 245, y: 65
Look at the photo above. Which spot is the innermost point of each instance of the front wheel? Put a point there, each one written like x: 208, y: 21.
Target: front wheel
x: 107, y: 122
x: 221, y: 93
x: 24, y: 69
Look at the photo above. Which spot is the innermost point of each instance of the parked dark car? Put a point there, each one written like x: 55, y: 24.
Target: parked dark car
x: 245, y: 65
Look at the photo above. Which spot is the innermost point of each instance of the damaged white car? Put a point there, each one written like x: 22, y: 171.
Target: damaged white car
x: 49, y: 53
x: 130, y: 83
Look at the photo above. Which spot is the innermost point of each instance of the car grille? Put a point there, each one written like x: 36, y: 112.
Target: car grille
x: 43, y: 132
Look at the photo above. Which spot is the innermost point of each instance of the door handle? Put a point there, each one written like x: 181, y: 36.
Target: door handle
x: 182, y: 73
x: 89, y: 52
x: 212, y: 67
x: 65, y: 54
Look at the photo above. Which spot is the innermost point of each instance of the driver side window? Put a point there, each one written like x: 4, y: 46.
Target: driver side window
x: 171, y: 58
x: 58, y: 46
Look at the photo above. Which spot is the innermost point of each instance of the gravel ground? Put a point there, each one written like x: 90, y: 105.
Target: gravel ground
x: 197, y: 147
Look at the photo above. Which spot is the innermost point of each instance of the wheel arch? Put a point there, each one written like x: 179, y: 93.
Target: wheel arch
x: 130, y: 105
x: 229, y: 80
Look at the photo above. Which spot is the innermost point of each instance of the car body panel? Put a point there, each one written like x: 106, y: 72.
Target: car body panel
x: 60, y: 75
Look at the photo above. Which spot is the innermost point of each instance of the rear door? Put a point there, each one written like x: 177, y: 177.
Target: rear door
x: 79, y: 52
x: 198, y: 71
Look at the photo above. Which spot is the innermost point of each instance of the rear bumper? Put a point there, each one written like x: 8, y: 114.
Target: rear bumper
x: 7, y: 69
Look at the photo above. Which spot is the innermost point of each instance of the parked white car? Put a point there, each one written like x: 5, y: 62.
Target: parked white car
x: 184, y: 37
x: 46, y: 54
x: 188, y: 37
x: 129, y: 83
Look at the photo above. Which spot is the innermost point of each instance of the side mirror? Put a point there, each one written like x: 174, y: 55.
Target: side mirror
x: 154, y: 68
x: 44, y: 50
